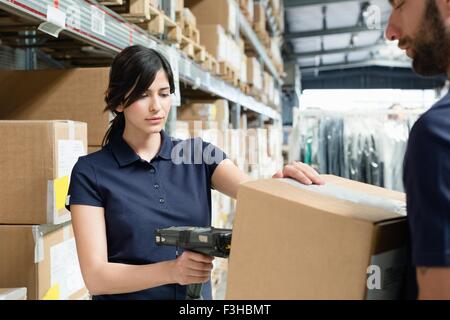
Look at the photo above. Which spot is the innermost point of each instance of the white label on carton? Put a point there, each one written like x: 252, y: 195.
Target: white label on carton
x: 68, y: 153
x: 97, y: 21
x: 13, y: 294
x: 385, y: 275
x: 346, y: 194
x: 65, y: 268
x: 56, y: 16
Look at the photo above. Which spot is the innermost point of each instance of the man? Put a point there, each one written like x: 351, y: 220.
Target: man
x: 422, y: 28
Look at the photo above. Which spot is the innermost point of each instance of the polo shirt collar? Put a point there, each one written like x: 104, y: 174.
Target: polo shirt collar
x: 125, y: 155
x: 165, y: 151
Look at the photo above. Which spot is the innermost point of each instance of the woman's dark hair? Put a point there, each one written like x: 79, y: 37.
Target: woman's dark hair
x: 132, y: 73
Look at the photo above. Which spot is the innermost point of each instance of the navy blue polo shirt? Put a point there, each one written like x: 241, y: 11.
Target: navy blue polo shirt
x: 427, y: 186
x: 173, y: 189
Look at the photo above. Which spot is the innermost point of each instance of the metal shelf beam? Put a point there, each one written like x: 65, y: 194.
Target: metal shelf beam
x: 248, y: 32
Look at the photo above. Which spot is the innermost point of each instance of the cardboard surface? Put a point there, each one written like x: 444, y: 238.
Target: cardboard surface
x: 75, y: 94
x: 223, y: 12
x: 36, y: 159
x: 293, y: 243
x: 213, y: 37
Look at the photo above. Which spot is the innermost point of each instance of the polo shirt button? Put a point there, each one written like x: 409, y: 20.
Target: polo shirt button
x: 152, y: 170
x: 161, y: 200
x: 156, y: 186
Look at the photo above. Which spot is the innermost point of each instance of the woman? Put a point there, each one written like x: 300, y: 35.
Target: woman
x: 119, y: 195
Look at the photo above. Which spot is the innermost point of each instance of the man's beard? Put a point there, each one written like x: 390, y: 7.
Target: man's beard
x: 431, y: 48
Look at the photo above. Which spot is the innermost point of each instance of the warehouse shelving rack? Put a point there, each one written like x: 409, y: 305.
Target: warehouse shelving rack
x: 97, y: 25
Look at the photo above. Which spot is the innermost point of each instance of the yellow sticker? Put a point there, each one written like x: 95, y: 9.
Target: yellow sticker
x: 52, y: 293
x: 61, y: 187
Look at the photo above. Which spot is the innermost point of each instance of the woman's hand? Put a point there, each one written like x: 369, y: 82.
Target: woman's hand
x: 192, y: 267
x: 301, y: 172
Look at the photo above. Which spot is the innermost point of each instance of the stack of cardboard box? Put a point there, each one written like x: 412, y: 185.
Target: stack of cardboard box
x: 76, y: 94
x: 37, y: 246
x: 216, y: 12
x: 219, y: 30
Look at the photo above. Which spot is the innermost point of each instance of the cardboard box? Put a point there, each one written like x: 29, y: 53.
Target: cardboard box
x: 243, y: 73
x: 275, y: 140
x: 38, y: 157
x: 254, y: 74
x: 223, y: 12
x: 140, y: 6
x: 13, y: 294
x: 257, y: 146
x: 259, y: 17
x: 268, y: 84
x: 234, y: 54
x: 275, y: 50
x: 243, y: 122
x: 43, y: 259
x: 344, y: 240
x: 206, y: 110
x: 234, y: 146
x: 220, y: 45
x: 75, y: 94
x: 179, y: 5
x: 213, y: 37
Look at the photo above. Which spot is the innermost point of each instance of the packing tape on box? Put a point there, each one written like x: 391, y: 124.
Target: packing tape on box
x: 354, y: 196
x: 38, y: 235
x: 38, y: 244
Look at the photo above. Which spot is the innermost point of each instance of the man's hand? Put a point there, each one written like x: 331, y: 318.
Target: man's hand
x: 301, y: 172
